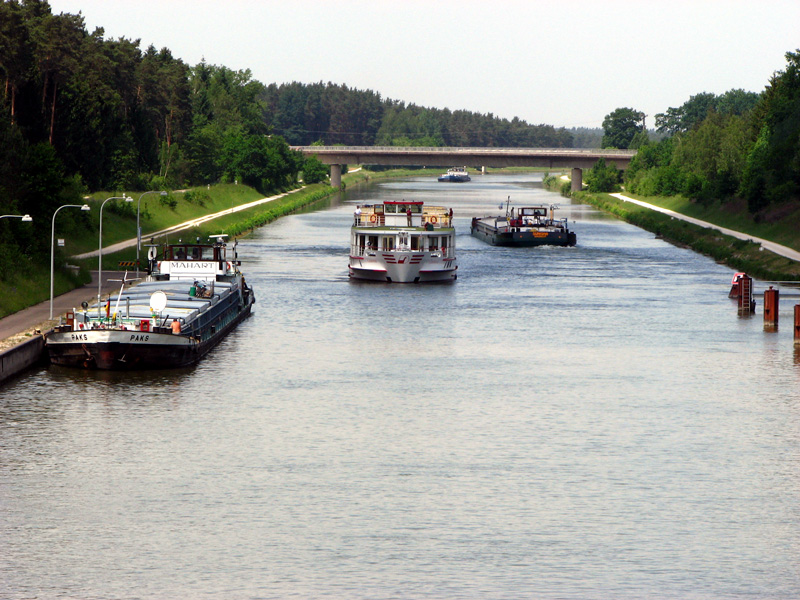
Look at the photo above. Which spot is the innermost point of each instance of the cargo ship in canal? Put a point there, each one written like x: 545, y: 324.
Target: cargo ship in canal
x: 527, y: 226
x: 403, y: 242
x: 455, y: 175
x: 193, y: 296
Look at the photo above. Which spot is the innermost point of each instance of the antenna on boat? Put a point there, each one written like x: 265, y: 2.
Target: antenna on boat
x: 124, y: 280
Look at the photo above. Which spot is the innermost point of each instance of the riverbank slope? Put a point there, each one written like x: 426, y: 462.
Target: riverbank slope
x: 748, y: 252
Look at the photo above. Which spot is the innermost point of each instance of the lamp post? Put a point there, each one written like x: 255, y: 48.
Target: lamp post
x: 100, y: 247
x: 139, y: 229
x: 26, y: 218
x: 53, y: 247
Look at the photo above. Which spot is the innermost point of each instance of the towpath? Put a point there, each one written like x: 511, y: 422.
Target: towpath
x: 185, y: 225
x: 771, y: 246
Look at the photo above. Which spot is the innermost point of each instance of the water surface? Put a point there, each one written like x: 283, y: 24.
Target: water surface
x: 587, y: 422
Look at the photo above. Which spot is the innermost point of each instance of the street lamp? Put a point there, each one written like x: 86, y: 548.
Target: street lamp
x: 100, y: 248
x: 26, y: 218
x: 139, y: 229
x: 53, y: 247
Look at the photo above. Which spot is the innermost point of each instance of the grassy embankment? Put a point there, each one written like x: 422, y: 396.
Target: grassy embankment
x: 119, y: 224
x: 737, y: 254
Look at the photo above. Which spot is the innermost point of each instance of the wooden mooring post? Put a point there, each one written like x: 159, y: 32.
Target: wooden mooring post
x: 771, y: 299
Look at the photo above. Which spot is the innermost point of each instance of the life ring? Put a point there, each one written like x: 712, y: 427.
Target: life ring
x: 151, y: 253
x: 372, y: 218
x: 433, y: 220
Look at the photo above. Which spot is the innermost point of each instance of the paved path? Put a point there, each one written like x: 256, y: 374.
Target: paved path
x: 183, y: 226
x: 771, y: 246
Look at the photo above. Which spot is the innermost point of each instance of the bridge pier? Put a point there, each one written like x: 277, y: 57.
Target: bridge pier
x: 577, y: 180
x: 336, y: 176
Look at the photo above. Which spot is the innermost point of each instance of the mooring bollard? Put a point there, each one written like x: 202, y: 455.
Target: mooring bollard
x: 771, y: 298
x: 797, y: 324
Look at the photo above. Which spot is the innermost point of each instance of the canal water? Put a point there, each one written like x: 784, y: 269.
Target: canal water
x: 587, y: 422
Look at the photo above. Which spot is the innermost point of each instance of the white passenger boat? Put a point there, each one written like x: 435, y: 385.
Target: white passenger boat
x: 403, y: 242
x: 193, y: 296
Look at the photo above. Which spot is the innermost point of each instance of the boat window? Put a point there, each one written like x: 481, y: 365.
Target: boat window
x: 388, y: 243
x: 415, y: 242
x: 433, y: 242
x: 179, y: 253
x: 373, y: 242
x: 444, y: 242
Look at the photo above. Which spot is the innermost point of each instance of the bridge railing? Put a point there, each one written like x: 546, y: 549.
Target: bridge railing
x: 465, y: 150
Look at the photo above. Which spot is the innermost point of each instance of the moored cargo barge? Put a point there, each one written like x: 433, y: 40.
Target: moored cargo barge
x: 194, y: 295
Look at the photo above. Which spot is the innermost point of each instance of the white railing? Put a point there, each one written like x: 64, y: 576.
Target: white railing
x: 367, y: 253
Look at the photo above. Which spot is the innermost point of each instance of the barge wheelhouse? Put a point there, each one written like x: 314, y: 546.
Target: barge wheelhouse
x: 403, y: 242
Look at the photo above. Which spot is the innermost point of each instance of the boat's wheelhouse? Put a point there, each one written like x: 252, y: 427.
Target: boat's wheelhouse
x: 194, y: 261
x: 536, y: 217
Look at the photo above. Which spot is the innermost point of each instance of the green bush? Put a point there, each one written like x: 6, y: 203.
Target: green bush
x: 197, y: 197
x: 169, y: 201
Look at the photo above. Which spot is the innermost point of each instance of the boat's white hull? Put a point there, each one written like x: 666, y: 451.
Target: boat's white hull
x: 403, y: 267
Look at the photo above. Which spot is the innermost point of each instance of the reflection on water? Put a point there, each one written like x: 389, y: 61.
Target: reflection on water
x: 576, y: 422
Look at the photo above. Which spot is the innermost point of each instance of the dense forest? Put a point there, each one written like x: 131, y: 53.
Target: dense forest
x: 739, y: 149
x: 332, y: 114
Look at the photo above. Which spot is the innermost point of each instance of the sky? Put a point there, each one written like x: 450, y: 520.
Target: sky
x: 567, y: 63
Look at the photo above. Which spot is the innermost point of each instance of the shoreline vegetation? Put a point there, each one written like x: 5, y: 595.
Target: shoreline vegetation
x: 741, y: 255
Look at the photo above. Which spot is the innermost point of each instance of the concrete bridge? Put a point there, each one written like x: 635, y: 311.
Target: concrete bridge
x: 576, y: 159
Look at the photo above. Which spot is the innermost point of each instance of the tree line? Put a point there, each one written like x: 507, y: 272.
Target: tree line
x: 305, y: 114
x: 736, y: 148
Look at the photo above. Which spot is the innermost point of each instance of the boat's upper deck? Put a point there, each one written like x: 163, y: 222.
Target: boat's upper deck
x: 403, y: 214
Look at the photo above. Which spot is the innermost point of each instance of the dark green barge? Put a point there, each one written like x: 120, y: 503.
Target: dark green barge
x: 530, y: 226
